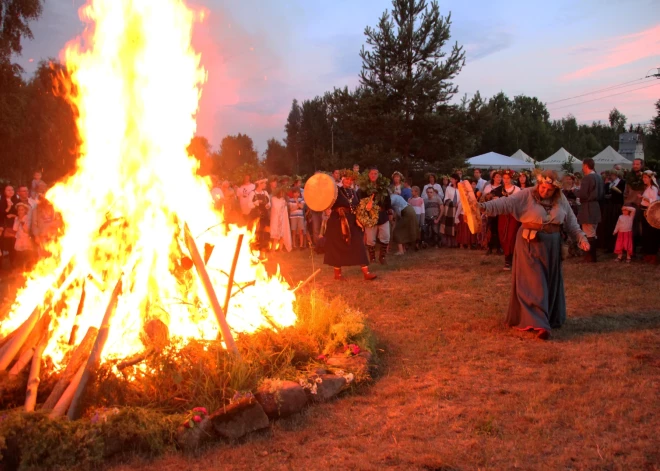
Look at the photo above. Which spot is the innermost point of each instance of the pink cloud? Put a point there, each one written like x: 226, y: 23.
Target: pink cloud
x: 618, y: 51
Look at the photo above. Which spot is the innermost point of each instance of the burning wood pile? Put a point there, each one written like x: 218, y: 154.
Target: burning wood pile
x: 119, y: 283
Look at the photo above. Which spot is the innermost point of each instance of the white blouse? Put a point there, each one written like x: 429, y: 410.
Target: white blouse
x: 649, y: 196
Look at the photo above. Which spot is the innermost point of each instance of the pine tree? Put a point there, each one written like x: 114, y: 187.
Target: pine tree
x: 292, y: 129
x: 407, y: 74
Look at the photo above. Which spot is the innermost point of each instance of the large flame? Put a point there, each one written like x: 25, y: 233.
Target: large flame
x: 137, y: 83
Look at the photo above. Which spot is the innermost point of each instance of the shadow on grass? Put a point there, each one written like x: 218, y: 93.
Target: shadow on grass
x: 605, y: 323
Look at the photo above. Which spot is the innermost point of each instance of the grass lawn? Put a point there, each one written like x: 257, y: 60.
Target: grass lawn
x: 459, y: 390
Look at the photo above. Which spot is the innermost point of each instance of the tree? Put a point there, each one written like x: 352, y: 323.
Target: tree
x: 15, y: 16
x: 50, y: 141
x: 617, y: 121
x: 236, y: 151
x: 292, y: 129
x: 654, y: 135
x: 277, y: 159
x: 200, y: 148
x: 407, y: 74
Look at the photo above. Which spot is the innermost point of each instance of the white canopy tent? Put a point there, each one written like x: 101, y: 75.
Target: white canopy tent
x: 521, y: 155
x: 608, y: 158
x: 555, y: 161
x: 495, y: 160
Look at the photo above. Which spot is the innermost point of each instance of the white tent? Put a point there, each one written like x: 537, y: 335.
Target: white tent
x: 495, y: 160
x: 521, y: 155
x: 555, y: 161
x: 608, y: 158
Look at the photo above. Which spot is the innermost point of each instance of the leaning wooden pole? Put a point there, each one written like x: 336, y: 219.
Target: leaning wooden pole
x: 64, y: 402
x: 210, y: 292
x: 95, y: 356
x: 13, y: 345
x: 232, y: 272
x: 78, y: 359
x: 35, y: 370
x: 81, y: 306
x: 310, y: 278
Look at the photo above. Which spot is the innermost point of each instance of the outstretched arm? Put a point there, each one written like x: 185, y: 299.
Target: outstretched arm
x: 508, y: 205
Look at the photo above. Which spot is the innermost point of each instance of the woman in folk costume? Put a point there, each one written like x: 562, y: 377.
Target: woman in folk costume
x: 538, y: 301
x: 507, y: 225
x: 344, y: 238
x: 432, y: 183
x: 450, y: 213
x: 493, y: 190
x: 259, y: 206
x: 464, y: 237
x: 650, y: 235
x: 280, y: 229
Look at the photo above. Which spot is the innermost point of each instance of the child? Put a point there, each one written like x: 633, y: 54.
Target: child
x: 296, y: 217
x: 23, y: 246
x: 623, y: 230
x: 432, y: 211
x: 35, y: 185
x: 417, y: 202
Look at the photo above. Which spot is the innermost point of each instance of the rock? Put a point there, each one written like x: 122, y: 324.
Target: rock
x: 190, y: 439
x: 327, y: 386
x: 238, y: 419
x: 281, y: 399
x: 357, y: 364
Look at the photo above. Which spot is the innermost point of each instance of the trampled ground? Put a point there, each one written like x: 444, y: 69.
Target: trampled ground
x: 458, y: 390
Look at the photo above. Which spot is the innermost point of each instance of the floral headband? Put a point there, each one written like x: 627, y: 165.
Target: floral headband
x: 400, y: 175
x: 349, y: 173
x: 548, y: 181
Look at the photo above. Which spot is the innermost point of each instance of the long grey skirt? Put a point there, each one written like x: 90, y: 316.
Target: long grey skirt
x: 537, y: 298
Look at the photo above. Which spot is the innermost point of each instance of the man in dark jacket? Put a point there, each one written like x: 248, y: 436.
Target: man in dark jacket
x: 591, y: 193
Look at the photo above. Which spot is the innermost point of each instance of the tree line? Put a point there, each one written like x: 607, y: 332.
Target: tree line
x: 402, y: 116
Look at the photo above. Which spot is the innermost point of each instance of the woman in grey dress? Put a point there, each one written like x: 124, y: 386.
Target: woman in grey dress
x: 537, y: 300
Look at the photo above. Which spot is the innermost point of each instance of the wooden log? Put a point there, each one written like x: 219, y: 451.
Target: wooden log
x: 81, y: 306
x: 22, y: 361
x: 94, y: 359
x: 208, y: 250
x: 232, y: 272
x: 310, y: 278
x: 65, y: 401
x: 135, y: 359
x: 210, y: 292
x: 35, y: 370
x: 78, y: 358
x: 14, y: 345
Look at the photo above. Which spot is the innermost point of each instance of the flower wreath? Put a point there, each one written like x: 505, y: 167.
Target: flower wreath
x: 365, y: 217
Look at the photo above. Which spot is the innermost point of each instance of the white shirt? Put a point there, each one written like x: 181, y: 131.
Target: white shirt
x: 489, y: 188
x: 481, y: 183
x: 243, y: 193
x: 436, y: 187
x: 451, y: 194
x: 649, y: 196
x: 625, y: 223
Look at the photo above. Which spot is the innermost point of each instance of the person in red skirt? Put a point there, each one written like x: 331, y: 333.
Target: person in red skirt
x: 624, y: 234
x: 507, y: 225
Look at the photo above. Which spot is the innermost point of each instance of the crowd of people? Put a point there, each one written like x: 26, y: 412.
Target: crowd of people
x: 609, y: 207
x: 28, y: 221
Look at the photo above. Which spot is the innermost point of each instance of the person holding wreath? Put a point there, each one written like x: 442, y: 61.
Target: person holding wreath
x: 375, y: 186
x: 344, y: 238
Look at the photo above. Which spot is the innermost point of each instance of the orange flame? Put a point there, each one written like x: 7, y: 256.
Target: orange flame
x: 137, y: 83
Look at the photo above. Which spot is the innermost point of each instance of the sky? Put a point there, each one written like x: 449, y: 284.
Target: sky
x: 261, y: 54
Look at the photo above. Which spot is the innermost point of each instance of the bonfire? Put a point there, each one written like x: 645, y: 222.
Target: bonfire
x: 142, y: 255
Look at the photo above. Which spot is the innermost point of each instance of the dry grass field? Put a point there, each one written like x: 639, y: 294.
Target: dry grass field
x: 457, y: 390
